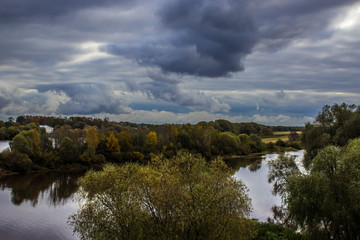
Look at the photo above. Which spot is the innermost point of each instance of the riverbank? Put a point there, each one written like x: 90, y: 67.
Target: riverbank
x: 277, y: 151
x: 77, y: 167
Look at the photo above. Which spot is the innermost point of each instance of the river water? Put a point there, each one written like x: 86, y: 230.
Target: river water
x: 4, y: 144
x: 253, y: 173
x: 37, y: 206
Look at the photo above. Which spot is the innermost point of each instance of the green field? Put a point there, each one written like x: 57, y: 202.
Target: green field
x: 278, y: 135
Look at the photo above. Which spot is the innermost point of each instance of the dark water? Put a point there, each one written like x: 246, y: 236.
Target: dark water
x: 37, y: 206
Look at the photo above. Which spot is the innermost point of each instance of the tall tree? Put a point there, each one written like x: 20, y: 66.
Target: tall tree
x: 180, y: 198
x: 151, y: 140
x: 112, y: 143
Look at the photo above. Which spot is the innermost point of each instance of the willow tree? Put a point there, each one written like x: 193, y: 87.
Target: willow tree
x: 325, y: 201
x: 179, y: 198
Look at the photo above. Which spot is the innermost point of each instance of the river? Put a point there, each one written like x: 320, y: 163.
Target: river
x: 4, y: 144
x: 37, y: 206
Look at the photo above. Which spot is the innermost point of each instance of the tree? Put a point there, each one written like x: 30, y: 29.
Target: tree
x: 28, y: 142
x: 20, y: 144
x: 335, y: 125
x: 125, y: 141
x: 324, y: 202
x: 92, y: 138
x: 151, y: 140
x: 293, y: 136
x: 112, y: 143
x: 180, y: 198
x: 69, y: 152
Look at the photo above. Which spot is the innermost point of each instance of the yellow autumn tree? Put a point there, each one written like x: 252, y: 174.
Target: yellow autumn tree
x: 112, y: 143
x: 151, y: 140
x: 92, y: 137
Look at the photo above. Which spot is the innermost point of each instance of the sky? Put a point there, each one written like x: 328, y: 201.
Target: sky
x: 274, y: 62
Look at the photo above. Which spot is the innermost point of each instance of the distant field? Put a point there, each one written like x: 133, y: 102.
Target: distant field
x: 285, y: 133
x: 277, y: 135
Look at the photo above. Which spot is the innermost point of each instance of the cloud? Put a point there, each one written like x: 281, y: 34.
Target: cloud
x: 281, y: 95
x: 203, y: 38
x: 173, y: 93
x: 4, y: 99
x: 25, y: 101
x: 159, y: 77
x: 86, y: 98
x: 212, y: 38
x: 15, y: 11
x: 303, y: 53
x: 281, y: 22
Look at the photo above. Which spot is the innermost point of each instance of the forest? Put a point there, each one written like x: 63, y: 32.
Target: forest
x: 80, y: 142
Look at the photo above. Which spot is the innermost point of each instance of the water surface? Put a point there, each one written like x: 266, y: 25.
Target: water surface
x: 37, y: 206
x: 253, y: 172
x: 4, y: 144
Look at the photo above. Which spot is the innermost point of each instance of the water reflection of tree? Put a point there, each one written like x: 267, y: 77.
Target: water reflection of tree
x: 253, y: 163
x: 55, y: 187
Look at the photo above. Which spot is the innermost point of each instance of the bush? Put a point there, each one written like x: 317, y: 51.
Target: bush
x: 15, y: 161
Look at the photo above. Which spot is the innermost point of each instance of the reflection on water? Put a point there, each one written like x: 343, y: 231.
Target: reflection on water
x: 253, y: 172
x: 55, y: 187
x: 253, y: 163
x: 37, y: 206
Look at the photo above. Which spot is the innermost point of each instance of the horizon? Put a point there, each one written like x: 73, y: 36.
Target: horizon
x: 179, y: 61
x: 176, y: 123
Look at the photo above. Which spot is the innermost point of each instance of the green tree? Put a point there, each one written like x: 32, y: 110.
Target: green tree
x: 180, y: 198
x: 335, y: 125
x: 324, y: 202
x: 68, y: 151
x: 28, y: 142
x: 125, y: 141
x: 20, y: 144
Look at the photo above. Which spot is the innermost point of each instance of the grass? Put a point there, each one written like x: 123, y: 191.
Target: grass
x: 278, y: 135
x: 285, y: 133
x: 274, y: 139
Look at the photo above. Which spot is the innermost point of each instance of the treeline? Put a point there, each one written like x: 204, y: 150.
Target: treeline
x: 88, y: 141
x: 221, y: 124
x: 334, y: 125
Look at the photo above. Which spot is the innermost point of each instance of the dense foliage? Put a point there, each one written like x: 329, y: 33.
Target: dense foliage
x: 179, y: 198
x: 325, y: 201
x: 88, y: 142
x: 334, y: 125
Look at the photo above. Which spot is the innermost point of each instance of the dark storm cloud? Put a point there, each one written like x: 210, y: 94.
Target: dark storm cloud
x: 207, y: 38
x: 179, y: 42
x: 85, y: 98
x: 211, y: 38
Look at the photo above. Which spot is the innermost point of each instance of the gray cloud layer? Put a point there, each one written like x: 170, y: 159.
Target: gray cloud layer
x: 85, y: 98
x: 211, y: 38
x: 175, y: 51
